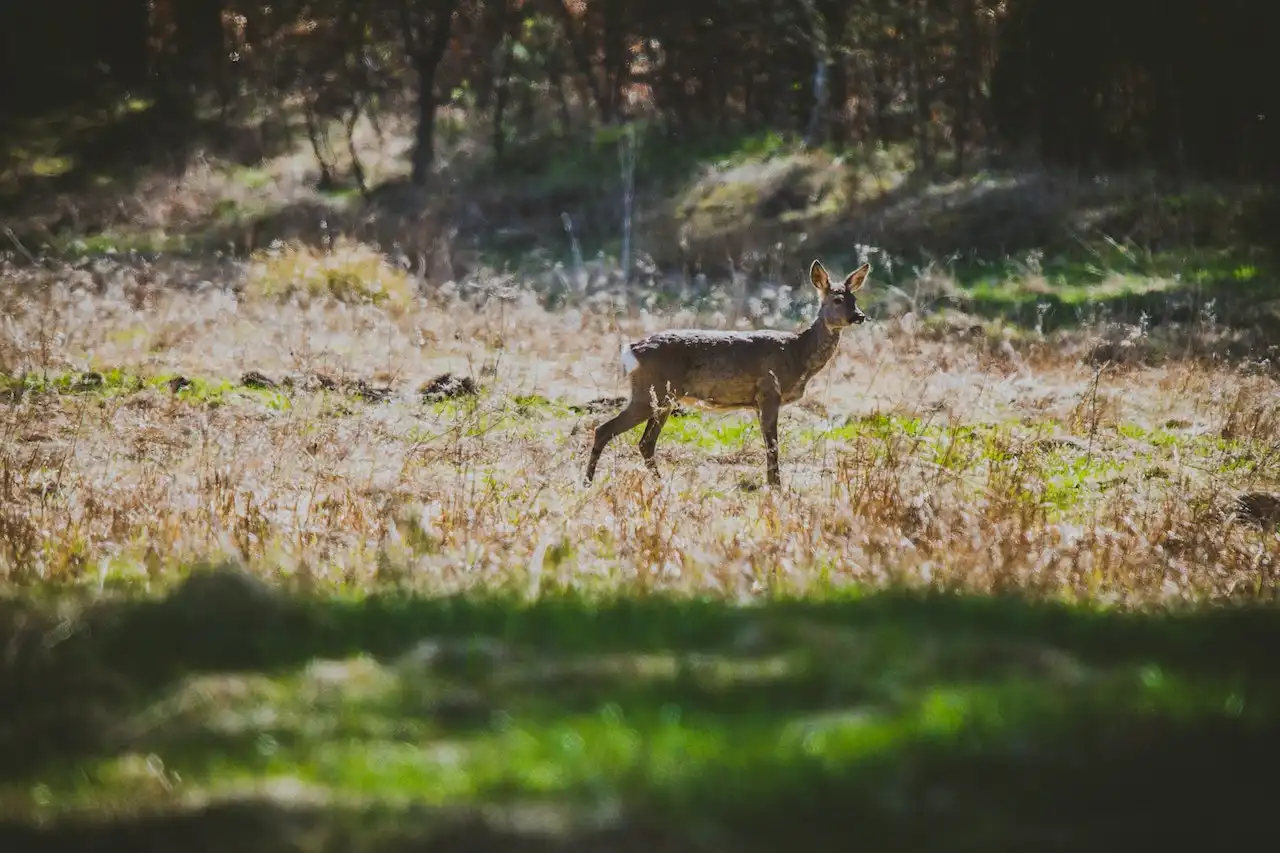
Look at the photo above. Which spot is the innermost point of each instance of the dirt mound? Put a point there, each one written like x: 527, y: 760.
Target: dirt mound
x: 446, y: 386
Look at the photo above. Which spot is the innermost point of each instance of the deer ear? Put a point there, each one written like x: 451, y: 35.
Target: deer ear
x: 857, y: 278
x: 818, y: 275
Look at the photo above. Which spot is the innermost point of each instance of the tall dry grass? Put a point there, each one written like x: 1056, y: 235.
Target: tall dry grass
x: 940, y: 454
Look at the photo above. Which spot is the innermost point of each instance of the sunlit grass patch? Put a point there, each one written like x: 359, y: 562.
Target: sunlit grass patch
x: 114, y: 241
x: 713, y: 430
x: 253, y: 178
x: 50, y: 167
x: 115, y: 382
x: 348, y: 272
x: 883, y: 425
x: 220, y: 392
x: 537, y: 406
x: 1069, y: 479
x: 110, y: 383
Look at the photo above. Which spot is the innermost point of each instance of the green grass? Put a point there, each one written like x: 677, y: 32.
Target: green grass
x: 109, y: 383
x: 218, y: 393
x: 1068, y: 477
x: 1068, y: 288
x: 549, y: 166
x: 117, y: 383
x: 942, y: 723
x: 713, y: 431
x: 120, y: 241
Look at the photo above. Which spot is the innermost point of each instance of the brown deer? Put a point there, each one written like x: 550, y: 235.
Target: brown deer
x: 761, y: 370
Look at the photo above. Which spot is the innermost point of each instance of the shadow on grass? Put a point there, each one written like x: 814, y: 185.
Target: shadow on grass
x: 1239, y: 298
x: 1194, y: 785
x: 1231, y: 288
x: 514, y: 208
x: 401, y: 722
x: 92, y: 147
x: 1042, y: 251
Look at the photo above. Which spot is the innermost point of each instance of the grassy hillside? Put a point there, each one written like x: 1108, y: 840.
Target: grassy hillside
x: 1000, y: 240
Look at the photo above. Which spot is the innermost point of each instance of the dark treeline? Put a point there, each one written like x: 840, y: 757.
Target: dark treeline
x: 1184, y: 86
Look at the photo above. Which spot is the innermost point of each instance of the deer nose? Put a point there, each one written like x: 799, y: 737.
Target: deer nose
x: 858, y: 317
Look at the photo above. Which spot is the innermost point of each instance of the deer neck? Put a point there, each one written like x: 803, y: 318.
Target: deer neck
x: 817, y: 344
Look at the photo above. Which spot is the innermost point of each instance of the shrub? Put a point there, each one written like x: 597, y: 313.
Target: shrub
x: 348, y: 271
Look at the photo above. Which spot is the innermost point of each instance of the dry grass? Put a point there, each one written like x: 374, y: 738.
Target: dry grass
x: 922, y: 456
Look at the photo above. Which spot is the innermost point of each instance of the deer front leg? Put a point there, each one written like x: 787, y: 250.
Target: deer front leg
x: 770, y: 402
x: 636, y: 413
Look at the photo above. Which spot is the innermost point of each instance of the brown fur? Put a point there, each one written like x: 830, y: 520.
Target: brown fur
x: 762, y: 370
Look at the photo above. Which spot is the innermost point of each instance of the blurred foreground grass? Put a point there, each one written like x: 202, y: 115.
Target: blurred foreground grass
x: 229, y: 716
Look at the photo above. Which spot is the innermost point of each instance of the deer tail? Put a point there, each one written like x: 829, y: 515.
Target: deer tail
x: 629, y: 360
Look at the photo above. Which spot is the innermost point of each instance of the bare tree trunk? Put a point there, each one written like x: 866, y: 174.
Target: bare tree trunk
x: 426, y: 45
x: 357, y: 169
x: 616, y: 61
x: 424, y: 138
x: 830, y: 20
x: 582, y: 58
x: 920, y: 86
x: 881, y: 96
x: 318, y: 145
x: 501, y: 77
x: 556, y: 72
x: 968, y: 59
x: 839, y: 122
x: 813, y: 133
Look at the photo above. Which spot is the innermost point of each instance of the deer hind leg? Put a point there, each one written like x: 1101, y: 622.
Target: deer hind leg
x: 768, y: 410
x: 649, y: 441
x: 637, y: 412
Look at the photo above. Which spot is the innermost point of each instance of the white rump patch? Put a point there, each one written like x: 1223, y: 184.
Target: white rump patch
x: 629, y: 360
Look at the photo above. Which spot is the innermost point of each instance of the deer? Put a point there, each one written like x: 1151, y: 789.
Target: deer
x: 762, y: 370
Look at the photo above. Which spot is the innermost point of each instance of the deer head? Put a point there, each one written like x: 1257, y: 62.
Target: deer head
x: 839, y: 304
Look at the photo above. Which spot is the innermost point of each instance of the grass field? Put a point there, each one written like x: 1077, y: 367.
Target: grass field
x: 440, y: 636
x: 264, y: 593
x: 138, y: 439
